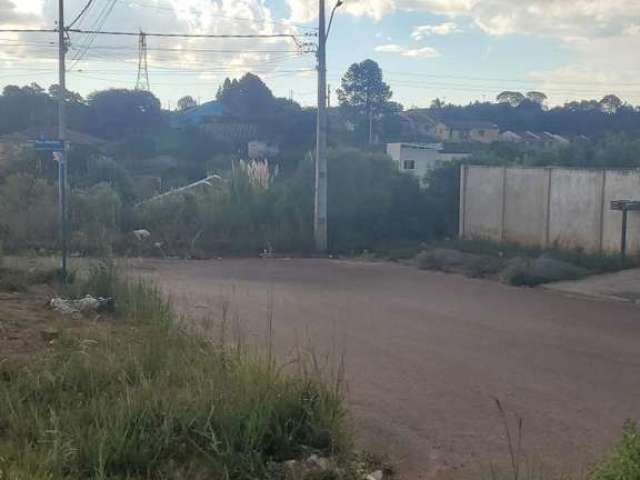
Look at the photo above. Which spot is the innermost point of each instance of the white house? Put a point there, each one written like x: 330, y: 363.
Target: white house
x: 419, y: 159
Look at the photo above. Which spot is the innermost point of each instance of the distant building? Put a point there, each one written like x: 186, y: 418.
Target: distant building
x: 419, y: 159
x: 539, y: 139
x: 202, y: 114
x: 466, y: 132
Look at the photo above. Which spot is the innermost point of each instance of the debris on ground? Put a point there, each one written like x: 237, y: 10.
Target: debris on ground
x: 87, y: 304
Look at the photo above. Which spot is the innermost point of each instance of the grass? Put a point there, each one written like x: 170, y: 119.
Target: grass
x: 138, y: 399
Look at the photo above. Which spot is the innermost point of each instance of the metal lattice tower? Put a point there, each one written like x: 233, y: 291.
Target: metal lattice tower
x: 143, y: 68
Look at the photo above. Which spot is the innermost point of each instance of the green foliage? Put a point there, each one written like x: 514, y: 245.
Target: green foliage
x: 146, y: 401
x: 115, y: 113
x: 186, y: 102
x: 28, y: 215
x: 363, y: 91
x: 246, y: 97
x: 95, y: 218
x: 624, y: 463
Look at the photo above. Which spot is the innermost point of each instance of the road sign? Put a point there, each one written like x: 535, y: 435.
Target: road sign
x: 49, y: 145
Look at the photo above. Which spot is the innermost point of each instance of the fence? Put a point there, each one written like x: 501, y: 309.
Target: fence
x: 549, y: 207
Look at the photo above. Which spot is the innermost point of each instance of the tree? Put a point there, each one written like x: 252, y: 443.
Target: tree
x: 247, y: 97
x: 116, y: 113
x: 537, y: 97
x: 186, y: 102
x: 611, y: 104
x: 436, y: 104
x: 512, y: 98
x: 364, y: 94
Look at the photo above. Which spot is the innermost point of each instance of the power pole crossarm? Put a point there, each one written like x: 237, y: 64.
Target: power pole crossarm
x: 320, y: 214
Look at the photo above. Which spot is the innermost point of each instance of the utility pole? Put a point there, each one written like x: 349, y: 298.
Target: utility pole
x: 62, y: 135
x: 320, y: 213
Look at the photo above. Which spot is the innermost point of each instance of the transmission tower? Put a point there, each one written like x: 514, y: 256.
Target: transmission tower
x: 143, y: 68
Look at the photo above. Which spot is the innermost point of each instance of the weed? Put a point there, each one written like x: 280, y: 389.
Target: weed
x: 137, y: 300
x: 624, y: 464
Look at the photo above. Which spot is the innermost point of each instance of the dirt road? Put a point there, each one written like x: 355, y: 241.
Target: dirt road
x: 426, y: 354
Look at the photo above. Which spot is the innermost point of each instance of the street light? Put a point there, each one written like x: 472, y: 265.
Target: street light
x: 338, y: 4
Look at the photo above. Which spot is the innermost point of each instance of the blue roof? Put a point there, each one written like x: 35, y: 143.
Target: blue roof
x: 198, y: 115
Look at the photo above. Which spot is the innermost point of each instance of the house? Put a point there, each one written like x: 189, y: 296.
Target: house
x: 202, y: 114
x: 419, y: 159
x: 533, y: 139
x: 466, y: 131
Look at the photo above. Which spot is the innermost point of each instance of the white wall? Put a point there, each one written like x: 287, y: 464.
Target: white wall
x: 567, y: 208
x: 426, y: 158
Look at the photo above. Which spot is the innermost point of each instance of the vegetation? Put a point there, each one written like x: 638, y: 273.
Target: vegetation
x: 624, y: 463
x: 139, y: 399
x: 515, y: 264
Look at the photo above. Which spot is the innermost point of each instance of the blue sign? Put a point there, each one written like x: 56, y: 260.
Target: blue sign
x: 49, y: 145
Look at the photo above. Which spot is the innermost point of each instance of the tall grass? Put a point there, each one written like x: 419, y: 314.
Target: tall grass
x: 138, y: 399
x: 136, y: 299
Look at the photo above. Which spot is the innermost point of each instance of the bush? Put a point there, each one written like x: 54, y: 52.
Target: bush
x: 624, y: 464
x: 95, y: 219
x: 28, y: 213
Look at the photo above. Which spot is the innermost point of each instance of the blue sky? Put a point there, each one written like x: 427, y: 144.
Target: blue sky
x: 458, y: 50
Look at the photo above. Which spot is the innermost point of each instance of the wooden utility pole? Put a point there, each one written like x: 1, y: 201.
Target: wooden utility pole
x: 62, y: 136
x: 320, y: 213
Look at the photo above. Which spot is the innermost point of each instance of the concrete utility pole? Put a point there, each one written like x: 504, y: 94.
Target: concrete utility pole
x: 62, y: 134
x: 320, y: 213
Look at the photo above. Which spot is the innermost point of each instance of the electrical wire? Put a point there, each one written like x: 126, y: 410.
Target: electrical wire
x: 81, y: 14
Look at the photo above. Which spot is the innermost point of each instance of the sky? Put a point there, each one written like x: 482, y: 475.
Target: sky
x: 457, y: 50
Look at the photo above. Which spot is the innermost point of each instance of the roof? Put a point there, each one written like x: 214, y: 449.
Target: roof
x: 199, y: 114
x: 470, y: 125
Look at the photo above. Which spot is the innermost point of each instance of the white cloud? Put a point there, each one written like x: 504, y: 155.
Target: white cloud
x: 425, y: 52
x: 423, y: 31
x: 116, y: 57
x: 560, y: 18
x: 14, y: 14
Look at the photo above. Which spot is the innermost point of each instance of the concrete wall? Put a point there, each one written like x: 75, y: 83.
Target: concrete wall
x: 567, y: 208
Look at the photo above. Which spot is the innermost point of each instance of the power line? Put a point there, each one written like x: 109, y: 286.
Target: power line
x: 82, y: 12
x: 98, y: 24
x: 192, y: 35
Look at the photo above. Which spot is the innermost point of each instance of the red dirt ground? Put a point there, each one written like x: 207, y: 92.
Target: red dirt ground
x: 427, y: 353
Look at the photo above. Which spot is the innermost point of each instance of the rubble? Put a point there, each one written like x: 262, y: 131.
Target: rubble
x: 87, y: 304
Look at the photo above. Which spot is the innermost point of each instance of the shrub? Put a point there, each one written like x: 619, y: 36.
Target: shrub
x: 95, y: 218
x: 28, y: 213
x: 624, y: 463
